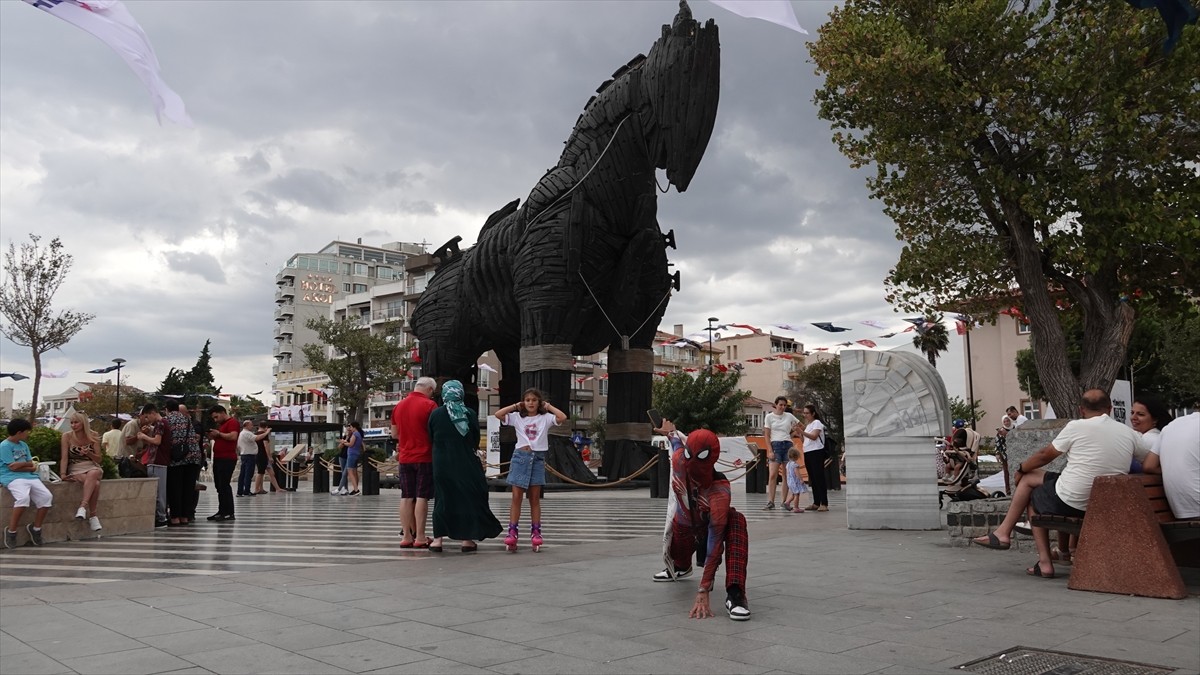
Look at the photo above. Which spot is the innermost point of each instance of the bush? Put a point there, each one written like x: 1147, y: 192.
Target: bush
x: 45, y: 444
x: 110, y: 467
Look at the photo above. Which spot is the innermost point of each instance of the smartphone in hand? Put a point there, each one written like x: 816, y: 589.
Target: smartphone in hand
x: 656, y: 418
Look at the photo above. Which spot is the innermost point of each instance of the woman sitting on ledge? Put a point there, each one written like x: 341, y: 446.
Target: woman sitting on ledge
x: 81, y: 463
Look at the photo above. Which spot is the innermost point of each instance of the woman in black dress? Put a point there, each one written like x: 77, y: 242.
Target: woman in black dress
x: 460, y: 507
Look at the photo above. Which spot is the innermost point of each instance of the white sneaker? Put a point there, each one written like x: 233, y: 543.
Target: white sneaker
x: 81, y: 513
x: 94, y: 523
x: 666, y: 575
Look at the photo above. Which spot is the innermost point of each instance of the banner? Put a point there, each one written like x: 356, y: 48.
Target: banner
x: 778, y: 12
x: 116, y: 27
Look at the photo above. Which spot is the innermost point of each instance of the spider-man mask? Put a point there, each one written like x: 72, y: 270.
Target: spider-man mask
x: 700, y: 456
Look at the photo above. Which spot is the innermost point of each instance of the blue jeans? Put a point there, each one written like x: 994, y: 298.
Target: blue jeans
x: 246, y: 477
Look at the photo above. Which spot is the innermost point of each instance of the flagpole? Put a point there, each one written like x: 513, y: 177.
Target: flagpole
x: 119, y: 362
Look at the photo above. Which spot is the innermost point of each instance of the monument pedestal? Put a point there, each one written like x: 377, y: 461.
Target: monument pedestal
x: 891, y: 484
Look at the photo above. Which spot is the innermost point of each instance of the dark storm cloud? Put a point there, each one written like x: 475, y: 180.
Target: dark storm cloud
x: 403, y: 121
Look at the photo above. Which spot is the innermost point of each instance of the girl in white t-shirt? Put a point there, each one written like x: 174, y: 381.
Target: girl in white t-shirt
x: 532, y: 418
x: 814, y: 457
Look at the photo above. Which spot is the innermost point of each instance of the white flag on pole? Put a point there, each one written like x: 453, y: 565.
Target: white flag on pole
x: 116, y: 27
x: 776, y: 11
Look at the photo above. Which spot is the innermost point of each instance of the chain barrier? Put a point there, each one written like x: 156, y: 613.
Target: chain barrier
x: 635, y: 474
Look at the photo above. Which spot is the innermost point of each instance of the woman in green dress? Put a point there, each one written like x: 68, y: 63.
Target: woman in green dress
x: 460, y: 507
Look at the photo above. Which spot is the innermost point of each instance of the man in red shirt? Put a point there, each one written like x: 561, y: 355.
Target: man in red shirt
x: 224, y: 453
x: 410, y: 428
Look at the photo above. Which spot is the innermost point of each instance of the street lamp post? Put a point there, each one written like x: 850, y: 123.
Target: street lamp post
x: 119, y: 363
x: 710, y: 329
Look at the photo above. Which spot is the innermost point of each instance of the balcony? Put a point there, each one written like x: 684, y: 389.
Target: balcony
x: 286, y: 275
x: 285, y: 293
x: 582, y: 394
x: 381, y: 315
x: 282, y: 347
x: 285, y: 311
x: 284, y: 328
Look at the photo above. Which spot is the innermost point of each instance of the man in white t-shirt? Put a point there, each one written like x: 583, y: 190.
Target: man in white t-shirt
x: 1176, y: 455
x: 1011, y: 420
x: 777, y: 430
x: 1095, y: 445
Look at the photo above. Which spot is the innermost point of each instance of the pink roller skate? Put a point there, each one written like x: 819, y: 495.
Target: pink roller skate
x: 510, y: 542
x: 535, y: 536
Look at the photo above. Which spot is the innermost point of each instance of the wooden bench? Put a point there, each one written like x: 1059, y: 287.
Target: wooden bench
x: 1125, y: 542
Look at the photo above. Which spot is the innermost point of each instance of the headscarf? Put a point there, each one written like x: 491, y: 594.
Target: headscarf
x: 452, y: 394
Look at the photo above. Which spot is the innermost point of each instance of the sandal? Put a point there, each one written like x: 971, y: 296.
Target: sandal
x: 1036, y: 571
x: 435, y: 548
x: 992, y: 542
x: 407, y: 544
x: 423, y: 544
x: 470, y: 549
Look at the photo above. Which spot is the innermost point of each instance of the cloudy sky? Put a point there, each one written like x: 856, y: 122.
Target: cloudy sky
x: 394, y: 121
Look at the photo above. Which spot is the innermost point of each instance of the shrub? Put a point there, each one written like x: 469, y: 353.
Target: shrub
x: 45, y: 444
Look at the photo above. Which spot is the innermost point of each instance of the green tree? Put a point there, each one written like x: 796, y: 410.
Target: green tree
x: 32, y: 278
x: 710, y: 400
x: 1181, y: 345
x: 242, y: 407
x: 961, y: 410
x: 820, y: 384
x: 1017, y: 145
x: 362, y: 361
x: 99, y: 402
x: 932, y: 338
x: 191, y: 383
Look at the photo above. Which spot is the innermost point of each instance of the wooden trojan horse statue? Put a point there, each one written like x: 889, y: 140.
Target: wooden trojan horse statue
x: 582, y: 265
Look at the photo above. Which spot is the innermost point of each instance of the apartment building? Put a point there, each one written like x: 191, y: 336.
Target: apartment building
x: 308, y: 286
x: 766, y: 361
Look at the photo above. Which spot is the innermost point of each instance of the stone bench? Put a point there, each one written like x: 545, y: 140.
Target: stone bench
x: 126, y: 505
x: 1125, y: 540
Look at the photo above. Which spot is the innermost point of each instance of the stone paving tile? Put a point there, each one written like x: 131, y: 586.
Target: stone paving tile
x: 650, y: 608
x: 87, y: 642
x: 182, y: 644
x: 1133, y: 649
x: 555, y: 664
x: 717, y: 625
x: 349, y: 617
x: 1126, y: 629
x: 448, y: 617
x: 433, y: 666
x: 678, y: 661
x: 904, y: 654
x: 209, y: 609
x: 144, y: 661
x: 893, y: 615
x: 11, y: 645
x: 409, y: 633
x: 536, y: 612
x: 363, y: 655
x: 259, y: 659
x: 1005, y: 633
x: 719, y: 646
x: 585, y: 645
x: 304, y: 636
x: 610, y: 626
x: 809, y: 638
x: 332, y: 592
x: 472, y: 600
x: 913, y: 670
x: 1186, y: 638
x: 130, y: 618
x: 516, y: 631
x: 479, y: 651
x: 33, y: 663
x: 393, y: 605
x: 795, y: 660
x: 253, y: 620
x: 294, y: 605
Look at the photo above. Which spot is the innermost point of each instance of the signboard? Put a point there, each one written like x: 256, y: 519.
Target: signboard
x: 377, y: 433
x: 493, y: 447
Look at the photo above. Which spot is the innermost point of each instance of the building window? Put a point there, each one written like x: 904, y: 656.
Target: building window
x: 361, y: 270
x: 1023, y: 329
x: 1031, y: 410
x: 345, y: 288
x: 577, y: 410
x: 604, y: 387
x: 602, y: 410
x: 385, y: 273
x: 360, y: 288
x: 483, y: 378
x: 753, y: 422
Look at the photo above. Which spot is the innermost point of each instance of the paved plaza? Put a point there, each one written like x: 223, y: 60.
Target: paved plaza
x: 304, y: 583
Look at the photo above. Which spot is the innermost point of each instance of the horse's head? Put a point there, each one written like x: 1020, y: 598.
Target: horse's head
x: 682, y: 77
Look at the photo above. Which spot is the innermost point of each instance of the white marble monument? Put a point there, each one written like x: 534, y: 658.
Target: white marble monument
x: 894, y: 405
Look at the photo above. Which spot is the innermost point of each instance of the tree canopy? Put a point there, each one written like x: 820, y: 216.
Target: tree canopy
x: 709, y: 400
x: 32, y: 278
x: 188, y: 383
x: 820, y: 384
x: 1029, y: 153
x: 932, y: 338
x: 362, y: 361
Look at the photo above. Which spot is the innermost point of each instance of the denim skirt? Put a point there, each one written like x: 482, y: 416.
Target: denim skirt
x: 527, y: 468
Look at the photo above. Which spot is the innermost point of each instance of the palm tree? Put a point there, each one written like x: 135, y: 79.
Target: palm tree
x: 932, y: 338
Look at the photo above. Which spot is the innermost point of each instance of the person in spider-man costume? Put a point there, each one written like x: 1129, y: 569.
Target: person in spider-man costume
x: 702, y: 523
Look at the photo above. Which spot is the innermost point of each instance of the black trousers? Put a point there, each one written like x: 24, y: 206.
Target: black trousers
x: 222, y: 475
x: 814, y: 464
x: 181, y: 490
